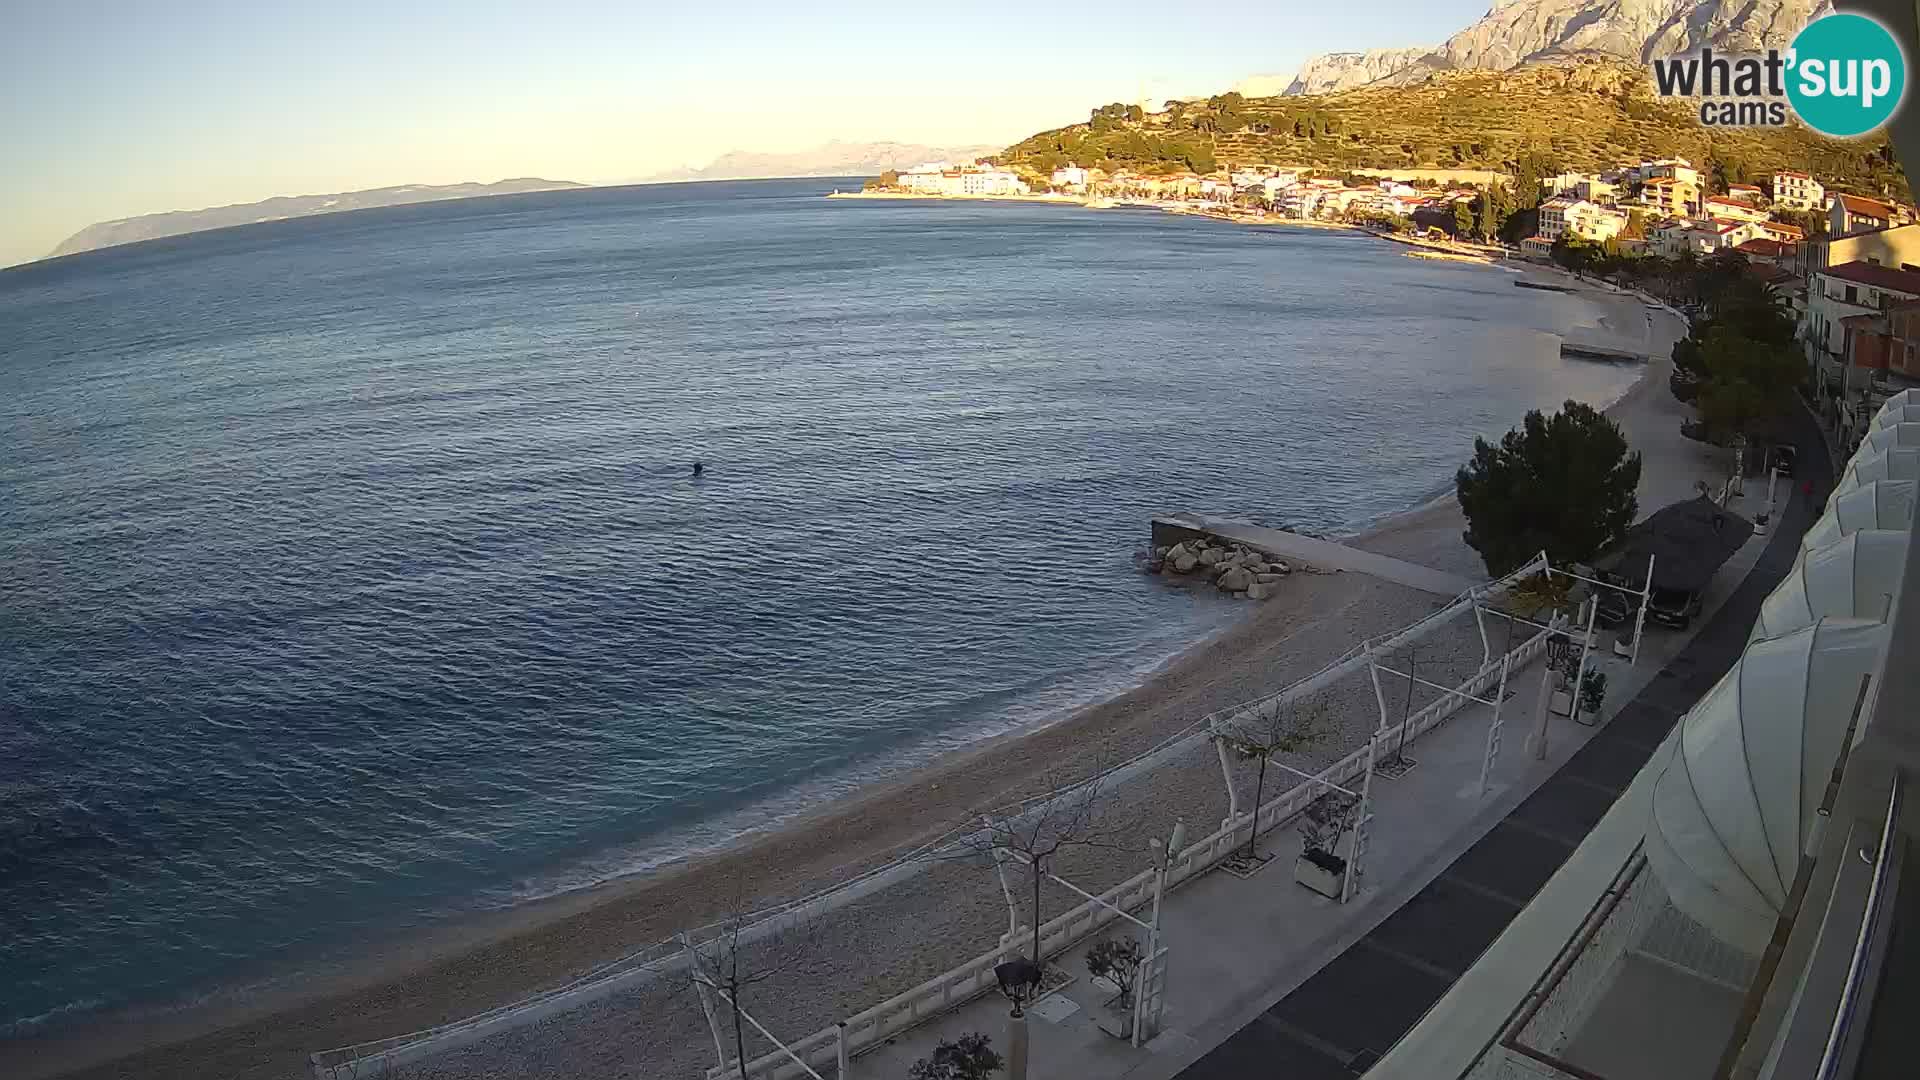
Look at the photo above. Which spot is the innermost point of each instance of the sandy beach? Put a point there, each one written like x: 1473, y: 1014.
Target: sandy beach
x: 893, y: 938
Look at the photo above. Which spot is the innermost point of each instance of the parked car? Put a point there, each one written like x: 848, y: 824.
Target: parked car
x: 1673, y: 607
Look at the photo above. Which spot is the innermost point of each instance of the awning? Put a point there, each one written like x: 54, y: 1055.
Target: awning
x: 1854, y: 577
x: 1742, y: 777
x: 1883, y: 504
x: 1899, y: 463
x: 1688, y: 541
x: 1899, y: 408
x: 1889, y: 437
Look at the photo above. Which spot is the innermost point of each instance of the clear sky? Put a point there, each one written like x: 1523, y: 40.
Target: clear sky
x: 108, y: 110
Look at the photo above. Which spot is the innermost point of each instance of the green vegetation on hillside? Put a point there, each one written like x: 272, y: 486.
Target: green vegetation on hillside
x: 1587, y: 115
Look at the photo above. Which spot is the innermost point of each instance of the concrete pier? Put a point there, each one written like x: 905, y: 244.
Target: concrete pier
x: 1311, y: 551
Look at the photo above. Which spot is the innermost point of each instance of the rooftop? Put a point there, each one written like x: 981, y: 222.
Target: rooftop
x: 1866, y: 207
x: 1880, y: 277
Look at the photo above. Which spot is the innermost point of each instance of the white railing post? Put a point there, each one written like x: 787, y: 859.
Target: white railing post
x: 1580, y: 672
x: 1362, y: 826
x: 706, y: 1003
x: 1640, y: 620
x: 1493, y: 730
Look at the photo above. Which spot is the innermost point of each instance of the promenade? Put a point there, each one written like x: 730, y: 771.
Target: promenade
x: 1268, y: 978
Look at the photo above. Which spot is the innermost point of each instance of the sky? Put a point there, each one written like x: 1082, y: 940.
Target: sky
x: 109, y: 110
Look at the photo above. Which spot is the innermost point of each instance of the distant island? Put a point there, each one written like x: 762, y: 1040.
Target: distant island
x: 833, y: 159
x: 177, y: 222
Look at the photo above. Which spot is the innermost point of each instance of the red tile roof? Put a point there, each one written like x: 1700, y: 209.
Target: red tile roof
x: 1766, y: 249
x: 1865, y: 207
x: 1794, y: 175
x: 1880, y: 277
x: 1783, y: 229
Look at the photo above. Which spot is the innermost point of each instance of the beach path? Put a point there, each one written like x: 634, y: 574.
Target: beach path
x: 1324, y: 554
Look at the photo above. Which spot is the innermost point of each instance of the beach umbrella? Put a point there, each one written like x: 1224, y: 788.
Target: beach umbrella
x: 1854, y: 577
x: 1688, y: 540
x: 1882, y: 504
x: 1889, y: 437
x: 1743, y: 776
x: 1898, y: 463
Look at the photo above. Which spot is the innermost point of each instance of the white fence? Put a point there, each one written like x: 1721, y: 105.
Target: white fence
x: 974, y: 977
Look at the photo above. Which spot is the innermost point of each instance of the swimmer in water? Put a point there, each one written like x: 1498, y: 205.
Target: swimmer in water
x: 699, y: 467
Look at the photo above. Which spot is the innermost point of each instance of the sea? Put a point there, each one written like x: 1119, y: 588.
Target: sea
x: 356, y: 576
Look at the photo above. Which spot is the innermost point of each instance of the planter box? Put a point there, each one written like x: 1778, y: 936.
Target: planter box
x: 1623, y: 647
x: 1321, y: 872
x: 1562, y: 702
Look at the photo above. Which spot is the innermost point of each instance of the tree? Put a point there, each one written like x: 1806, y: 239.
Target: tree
x: 1563, y: 484
x: 732, y: 962
x: 1118, y: 961
x: 1265, y: 730
x: 969, y: 1057
x: 1036, y: 832
x: 1462, y: 218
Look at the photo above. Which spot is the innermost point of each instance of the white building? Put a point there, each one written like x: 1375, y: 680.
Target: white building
x: 1072, y: 177
x: 1798, y: 191
x: 964, y: 181
x: 1678, y: 169
x: 1721, y: 206
x: 1855, y: 288
x: 1563, y: 216
x: 1678, y: 236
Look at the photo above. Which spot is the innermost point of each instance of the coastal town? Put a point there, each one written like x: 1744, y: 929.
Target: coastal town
x: 1848, y: 265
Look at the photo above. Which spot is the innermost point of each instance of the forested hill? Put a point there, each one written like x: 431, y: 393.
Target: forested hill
x: 1586, y: 115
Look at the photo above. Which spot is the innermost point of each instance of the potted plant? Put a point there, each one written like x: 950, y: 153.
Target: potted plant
x: 1623, y: 644
x: 969, y: 1057
x: 1593, y: 691
x: 1116, y: 961
x: 1321, y: 826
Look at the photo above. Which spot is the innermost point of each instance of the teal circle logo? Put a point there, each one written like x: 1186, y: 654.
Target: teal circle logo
x: 1846, y: 75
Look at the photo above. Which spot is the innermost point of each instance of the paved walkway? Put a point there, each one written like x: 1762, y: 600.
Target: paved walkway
x: 1269, y: 979
x: 1338, y: 1023
x: 1325, y: 554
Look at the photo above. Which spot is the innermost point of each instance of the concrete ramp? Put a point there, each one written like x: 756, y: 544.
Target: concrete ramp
x: 1324, y: 554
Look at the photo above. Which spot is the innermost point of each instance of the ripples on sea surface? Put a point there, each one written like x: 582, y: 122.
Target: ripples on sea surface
x: 354, y: 574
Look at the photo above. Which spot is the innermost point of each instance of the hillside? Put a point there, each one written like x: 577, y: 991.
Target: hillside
x: 832, y: 159
x: 1587, y: 113
x: 177, y: 222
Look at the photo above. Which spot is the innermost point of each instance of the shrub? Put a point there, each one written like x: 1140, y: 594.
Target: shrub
x: 969, y: 1057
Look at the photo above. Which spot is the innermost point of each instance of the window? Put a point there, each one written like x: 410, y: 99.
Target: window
x: 1853, y: 295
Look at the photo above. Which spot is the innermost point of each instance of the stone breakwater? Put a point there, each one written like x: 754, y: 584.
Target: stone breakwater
x: 1235, y: 568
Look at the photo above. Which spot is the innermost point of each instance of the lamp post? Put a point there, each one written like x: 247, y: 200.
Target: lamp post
x: 1019, y: 980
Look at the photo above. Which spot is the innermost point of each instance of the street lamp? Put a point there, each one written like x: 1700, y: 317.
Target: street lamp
x: 1020, y: 981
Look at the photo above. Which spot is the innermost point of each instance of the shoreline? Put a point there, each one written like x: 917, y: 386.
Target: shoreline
x: 485, y: 959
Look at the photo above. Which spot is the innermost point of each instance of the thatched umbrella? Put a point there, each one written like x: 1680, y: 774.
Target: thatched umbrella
x: 1688, y: 540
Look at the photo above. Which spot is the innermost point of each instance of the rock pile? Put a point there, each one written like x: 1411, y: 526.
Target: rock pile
x: 1234, y: 567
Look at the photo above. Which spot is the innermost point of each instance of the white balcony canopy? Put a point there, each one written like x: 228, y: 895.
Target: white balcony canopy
x: 1903, y: 407
x: 1734, y: 805
x: 1883, y: 504
x: 1853, y: 577
x: 1899, y: 463
x: 1889, y: 436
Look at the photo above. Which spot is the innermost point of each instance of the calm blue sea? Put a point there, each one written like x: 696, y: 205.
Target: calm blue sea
x: 353, y: 575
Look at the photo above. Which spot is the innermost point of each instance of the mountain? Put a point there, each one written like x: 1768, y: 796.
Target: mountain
x: 176, y: 222
x: 833, y: 159
x: 1518, y: 32
x: 1586, y: 112
x: 1335, y: 71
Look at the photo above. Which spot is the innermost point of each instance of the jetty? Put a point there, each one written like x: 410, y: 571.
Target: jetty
x: 1312, y: 551
x: 1582, y: 350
